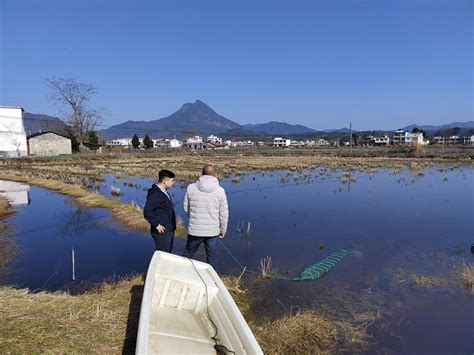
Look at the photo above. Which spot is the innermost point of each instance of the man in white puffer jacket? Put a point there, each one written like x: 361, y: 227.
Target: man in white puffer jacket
x: 205, y: 203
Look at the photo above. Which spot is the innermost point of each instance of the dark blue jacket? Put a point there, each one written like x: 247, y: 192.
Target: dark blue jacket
x: 159, y: 209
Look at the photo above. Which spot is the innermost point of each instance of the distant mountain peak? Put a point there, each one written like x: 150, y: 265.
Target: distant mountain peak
x: 192, y: 118
x: 196, y: 105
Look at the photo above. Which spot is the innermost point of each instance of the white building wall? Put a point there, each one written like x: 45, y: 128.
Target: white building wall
x: 468, y: 139
x: 194, y: 143
x: 12, y: 132
x: 174, y: 143
x: 401, y: 137
x: 281, y: 142
x: 214, y: 139
x: 120, y: 142
x: 385, y: 140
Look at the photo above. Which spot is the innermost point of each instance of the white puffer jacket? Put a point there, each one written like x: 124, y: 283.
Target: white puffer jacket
x: 205, y: 203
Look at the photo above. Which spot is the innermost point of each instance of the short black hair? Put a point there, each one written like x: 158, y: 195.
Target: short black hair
x: 162, y: 174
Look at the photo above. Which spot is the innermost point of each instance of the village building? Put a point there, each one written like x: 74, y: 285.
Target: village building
x: 48, y: 144
x: 281, y: 142
x: 380, y: 141
x: 12, y: 132
x: 167, y: 143
x: 195, y: 143
x: 160, y: 142
x: 297, y: 144
x: 402, y: 137
x: 120, y: 142
x: 467, y: 139
x: 214, y: 140
x: 321, y: 142
x: 174, y: 143
x: 462, y: 139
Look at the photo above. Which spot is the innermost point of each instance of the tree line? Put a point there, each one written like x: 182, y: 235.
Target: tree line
x: 147, y: 142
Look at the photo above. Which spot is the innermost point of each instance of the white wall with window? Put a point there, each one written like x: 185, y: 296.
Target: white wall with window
x: 281, y: 142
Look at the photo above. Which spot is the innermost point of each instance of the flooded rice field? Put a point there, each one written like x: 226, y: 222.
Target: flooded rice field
x: 409, y: 234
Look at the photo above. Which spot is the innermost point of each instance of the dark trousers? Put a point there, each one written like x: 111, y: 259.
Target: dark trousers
x: 210, y: 243
x: 164, y: 241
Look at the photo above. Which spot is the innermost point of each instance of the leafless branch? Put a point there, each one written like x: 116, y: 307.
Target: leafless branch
x: 73, y: 98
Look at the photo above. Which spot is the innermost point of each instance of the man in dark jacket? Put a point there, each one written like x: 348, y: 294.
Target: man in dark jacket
x: 159, y: 211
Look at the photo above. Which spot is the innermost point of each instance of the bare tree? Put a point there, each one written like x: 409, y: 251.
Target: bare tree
x: 74, y: 100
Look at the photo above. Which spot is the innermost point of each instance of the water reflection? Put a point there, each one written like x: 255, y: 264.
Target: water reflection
x: 78, y: 220
x: 47, y: 230
x: 15, y: 192
x: 400, y: 225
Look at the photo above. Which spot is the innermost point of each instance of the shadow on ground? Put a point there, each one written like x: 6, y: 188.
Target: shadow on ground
x: 132, y: 322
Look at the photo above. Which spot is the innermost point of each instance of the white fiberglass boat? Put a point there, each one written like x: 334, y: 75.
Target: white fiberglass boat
x: 186, y: 308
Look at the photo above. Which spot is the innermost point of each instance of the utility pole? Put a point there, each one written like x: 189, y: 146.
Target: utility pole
x: 350, y: 135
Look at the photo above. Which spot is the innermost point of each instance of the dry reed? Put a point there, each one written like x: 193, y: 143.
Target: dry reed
x: 266, y: 268
x: 467, y: 273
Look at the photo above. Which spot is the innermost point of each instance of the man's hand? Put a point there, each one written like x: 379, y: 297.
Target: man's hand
x: 221, y: 235
x: 160, y: 228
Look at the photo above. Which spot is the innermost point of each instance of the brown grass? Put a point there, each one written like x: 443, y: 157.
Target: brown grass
x: 417, y: 149
x: 452, y: 275
x: 8, y: 251
x: 83, y: 170
x: 467, y: 273
x: 429, y: 281
x: 106, y: 320
x: 304, y: 332
x: 8, y: 247
x: 307, y: 332
x: 240, y: 295
x: 95, y: 322
x: 5, y: 211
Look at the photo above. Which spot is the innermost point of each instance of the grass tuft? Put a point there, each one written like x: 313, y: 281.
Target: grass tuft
x: 467, y: 274
x: 266, y: 268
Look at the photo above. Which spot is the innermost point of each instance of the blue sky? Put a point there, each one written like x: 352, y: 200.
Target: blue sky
x: 380, y: 64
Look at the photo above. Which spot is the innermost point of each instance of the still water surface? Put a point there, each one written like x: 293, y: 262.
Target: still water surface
x: 398, y: 224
